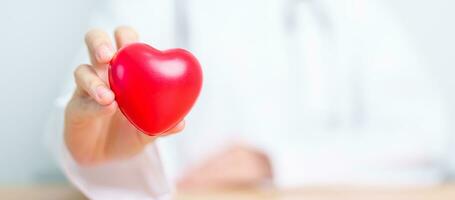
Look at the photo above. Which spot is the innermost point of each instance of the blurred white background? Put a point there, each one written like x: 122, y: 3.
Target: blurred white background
x: 41, y: 38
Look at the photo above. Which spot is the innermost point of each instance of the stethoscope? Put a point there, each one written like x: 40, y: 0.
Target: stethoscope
x: 355, y: 77
x: 182, y: 32
x: 290, y: 21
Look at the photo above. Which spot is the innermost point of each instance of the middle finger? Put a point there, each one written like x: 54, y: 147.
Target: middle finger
x: 99, y: 46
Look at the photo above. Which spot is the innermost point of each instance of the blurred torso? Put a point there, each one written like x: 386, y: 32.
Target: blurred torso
x: 324, y: 83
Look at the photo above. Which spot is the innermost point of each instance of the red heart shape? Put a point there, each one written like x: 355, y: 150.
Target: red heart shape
x: 154, y: 89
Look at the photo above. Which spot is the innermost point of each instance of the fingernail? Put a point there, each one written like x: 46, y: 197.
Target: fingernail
x: 104, y: 53
x: 103, y: 93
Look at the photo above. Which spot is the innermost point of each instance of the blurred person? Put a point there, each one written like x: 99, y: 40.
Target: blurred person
x: 295, y: 92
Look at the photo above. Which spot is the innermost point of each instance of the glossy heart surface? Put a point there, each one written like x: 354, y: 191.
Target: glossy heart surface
x: 154, y: 89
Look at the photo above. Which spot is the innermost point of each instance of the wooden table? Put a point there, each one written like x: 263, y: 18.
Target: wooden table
x: 446, y: 192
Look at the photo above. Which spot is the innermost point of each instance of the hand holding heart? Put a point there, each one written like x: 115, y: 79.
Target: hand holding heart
x: 95, y: 129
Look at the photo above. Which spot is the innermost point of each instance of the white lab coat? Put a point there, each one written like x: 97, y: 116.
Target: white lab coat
x: 330, y: 89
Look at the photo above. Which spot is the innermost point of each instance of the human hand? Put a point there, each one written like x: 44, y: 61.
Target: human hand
x: 237, y: 166
x: 95, y: 130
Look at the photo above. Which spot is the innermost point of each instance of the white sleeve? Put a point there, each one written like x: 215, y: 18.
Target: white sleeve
x: 140, y: 177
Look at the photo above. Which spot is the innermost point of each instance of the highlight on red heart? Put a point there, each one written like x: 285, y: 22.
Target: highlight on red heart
x: 154, y: 89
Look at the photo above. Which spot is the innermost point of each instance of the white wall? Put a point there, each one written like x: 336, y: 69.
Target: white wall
x: 39, y: 39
